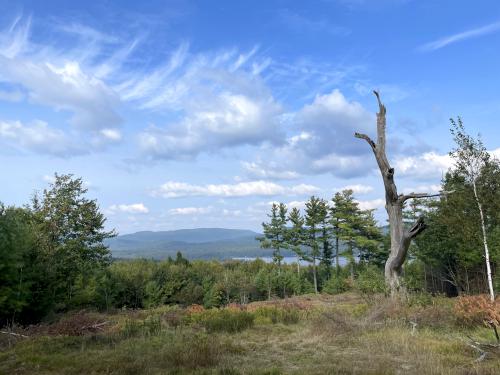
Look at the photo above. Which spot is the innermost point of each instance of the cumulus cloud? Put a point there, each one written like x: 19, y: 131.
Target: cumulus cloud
x: 429, y: 165
x: 371, y: 204
x: 190, y: 210
x: 434, y: 188
x: 358, y: 188
x: 39, y: 137
x: 231, y: 120
x: 270, y: 171
x: 135, y: 208
x: 324, y: 142
x: 174, y: 189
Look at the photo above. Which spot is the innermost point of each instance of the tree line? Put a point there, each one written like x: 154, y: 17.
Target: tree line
x: 326, y: 231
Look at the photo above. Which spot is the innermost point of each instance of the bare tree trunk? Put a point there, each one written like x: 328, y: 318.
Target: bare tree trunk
x: 400, y: 238
x: 337, y: 265
x: 314, y: 276
x: 485, y: 242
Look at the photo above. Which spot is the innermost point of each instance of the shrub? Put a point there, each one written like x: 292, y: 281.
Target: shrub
x: 151, y: 326
x: 475, y: 310
x: 278, y: 314
x: 223, y: 320
x: 336, y: 285
x: 370, y: 281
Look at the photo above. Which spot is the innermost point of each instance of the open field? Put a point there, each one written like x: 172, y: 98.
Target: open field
x: 343, y: 334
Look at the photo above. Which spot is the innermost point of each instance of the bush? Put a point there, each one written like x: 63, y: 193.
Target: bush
x: 370, y: 281
x: 278, y: 314
x: 336, y: 285
x: 477, y: 310
x: 223, y: 320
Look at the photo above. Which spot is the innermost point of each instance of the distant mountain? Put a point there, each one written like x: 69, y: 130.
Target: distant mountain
x: 201, y: 243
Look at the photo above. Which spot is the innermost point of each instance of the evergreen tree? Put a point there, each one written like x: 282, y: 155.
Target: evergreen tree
x: 296, y: 235
x: 345, y: 220
x: 315, y: 213
x: 70, y: 234
x: 275, y: 232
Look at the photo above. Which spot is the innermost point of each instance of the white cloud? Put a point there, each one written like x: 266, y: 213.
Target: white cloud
x: 190, y: 210
x: 227, y: 121
x: 59, y: 80
x: 473, y: 33
x: 371, y: 204
x: 429, y: 165
x: 135, y: 208
x: 39, y: 137
x: 324, y: 142
x: 174, y: 189
x: 358, y: 188
x: 111, y: 134
x: 271, y: 171
x: 434, y: 188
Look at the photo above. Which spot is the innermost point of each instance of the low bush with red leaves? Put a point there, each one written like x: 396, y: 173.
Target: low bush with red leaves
x: 476, y: 310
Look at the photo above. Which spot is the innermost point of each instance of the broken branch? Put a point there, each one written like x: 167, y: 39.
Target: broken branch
x: 367, y: 139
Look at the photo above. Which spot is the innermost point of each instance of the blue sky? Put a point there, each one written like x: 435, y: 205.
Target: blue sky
x: 182, y: 114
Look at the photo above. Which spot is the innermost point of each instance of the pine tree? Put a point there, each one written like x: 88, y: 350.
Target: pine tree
x: 296, y: 235
x: 315, y: 213
x: 344, y: 218
x: 275, y: 232
x: 369, y: 239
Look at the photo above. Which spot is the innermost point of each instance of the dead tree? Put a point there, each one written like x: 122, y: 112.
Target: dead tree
x: 400, y: 236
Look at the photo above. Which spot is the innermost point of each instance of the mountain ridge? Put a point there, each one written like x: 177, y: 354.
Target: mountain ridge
x: 196, y: 243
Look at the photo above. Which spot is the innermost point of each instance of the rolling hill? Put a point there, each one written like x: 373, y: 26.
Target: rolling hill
x: 200, y: 243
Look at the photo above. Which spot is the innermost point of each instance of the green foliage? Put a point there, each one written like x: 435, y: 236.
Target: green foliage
x: 278, y: 314
x: 275, y: 231
x: 370, y: 281
x: 336, y: 284
x: 16, y: 251
x: 53, y: 252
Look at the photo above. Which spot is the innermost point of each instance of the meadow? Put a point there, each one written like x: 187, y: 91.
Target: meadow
x: 348, y: 333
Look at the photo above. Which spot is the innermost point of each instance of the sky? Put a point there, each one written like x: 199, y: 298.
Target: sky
x: 185, y: 114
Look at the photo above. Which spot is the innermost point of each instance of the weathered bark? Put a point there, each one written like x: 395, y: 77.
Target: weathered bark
x: 400, y: 237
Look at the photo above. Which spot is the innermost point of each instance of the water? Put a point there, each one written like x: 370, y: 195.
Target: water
x: 288, y: 260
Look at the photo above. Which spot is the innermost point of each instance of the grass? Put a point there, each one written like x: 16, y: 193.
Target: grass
x: 313, y: 334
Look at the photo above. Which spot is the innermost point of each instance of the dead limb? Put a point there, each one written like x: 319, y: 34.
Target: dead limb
x: 14, y: 334
x: 97, y: 326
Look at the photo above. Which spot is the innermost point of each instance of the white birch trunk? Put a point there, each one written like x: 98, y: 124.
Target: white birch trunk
x: 485, y: 243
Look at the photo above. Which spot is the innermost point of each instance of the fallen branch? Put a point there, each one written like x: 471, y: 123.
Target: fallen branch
x: 96, y: 326
x: 413, y: 327
x: 14, y: 334
x: 482, y: 353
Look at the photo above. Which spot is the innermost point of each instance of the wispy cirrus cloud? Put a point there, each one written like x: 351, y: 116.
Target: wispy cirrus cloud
x: 455, y: 38
x: 58, y: 79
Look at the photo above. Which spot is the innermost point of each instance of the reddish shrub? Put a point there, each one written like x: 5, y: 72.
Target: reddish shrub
x: 479, y: 309
x: 194, y: 309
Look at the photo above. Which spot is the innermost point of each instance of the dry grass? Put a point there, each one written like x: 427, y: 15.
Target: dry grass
x: 339, y: 335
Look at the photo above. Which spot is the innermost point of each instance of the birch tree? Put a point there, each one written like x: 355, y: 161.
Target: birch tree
x: 470, y: 158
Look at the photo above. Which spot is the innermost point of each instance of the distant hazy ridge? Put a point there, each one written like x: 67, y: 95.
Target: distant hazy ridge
x: 201, y: 243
